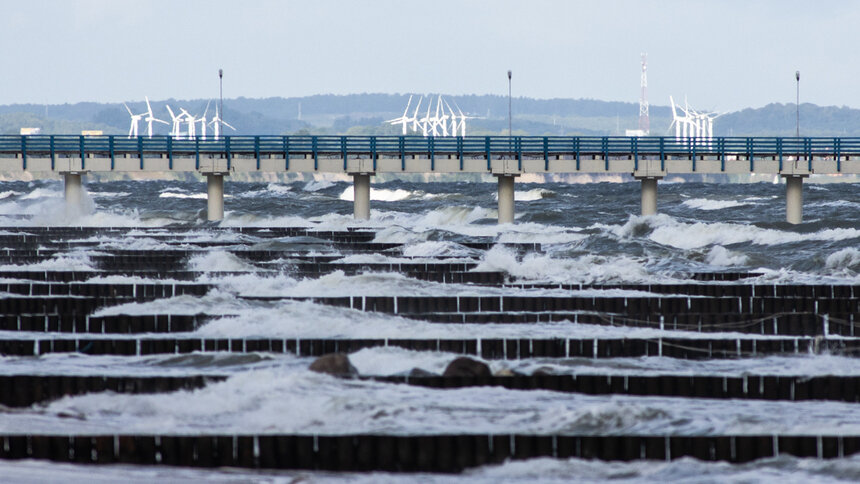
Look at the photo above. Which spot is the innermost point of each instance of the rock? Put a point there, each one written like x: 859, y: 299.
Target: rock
x: 505, y: 372
x: 463, y: 366
x: 336, y: 364
x: 544, y: 370
x: 420, y: 373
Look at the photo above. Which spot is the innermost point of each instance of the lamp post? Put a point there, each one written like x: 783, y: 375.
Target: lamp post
x: 221, y: 101
x: 509, y: 105
x: 797, y: 102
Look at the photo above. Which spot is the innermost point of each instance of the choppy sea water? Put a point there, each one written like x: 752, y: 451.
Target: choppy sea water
x: 590, y: 234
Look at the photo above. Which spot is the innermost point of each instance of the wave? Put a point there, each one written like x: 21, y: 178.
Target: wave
x: 532, y: 195
x: 707, y: 204
x: 183, y: 195
x: 9, y: 193
x: 317, y: 185
x: 848, y: 258
x: 722, y: 257
x: 584, y: 269
x: 379, y: 194
x: 218, y: 261
x: 668, y: 231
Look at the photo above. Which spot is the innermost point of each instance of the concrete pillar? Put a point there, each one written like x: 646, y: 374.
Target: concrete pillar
x: 506, y: 199
x: 74, y: 194
x: 215, y: 196
x: 649, y: 196
x: 361, y: 196
x: 794, y: 199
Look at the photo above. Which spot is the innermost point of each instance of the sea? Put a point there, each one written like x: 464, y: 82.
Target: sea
x: 590, y: 232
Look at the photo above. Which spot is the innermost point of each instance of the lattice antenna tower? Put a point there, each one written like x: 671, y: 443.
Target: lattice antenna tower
x: 644, y: 119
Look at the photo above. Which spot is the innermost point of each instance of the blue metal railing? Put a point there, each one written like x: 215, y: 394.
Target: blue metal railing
x: 517, y: 147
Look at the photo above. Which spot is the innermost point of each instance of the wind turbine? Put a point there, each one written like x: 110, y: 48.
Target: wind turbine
x: 217, y: 122
x: 415, y: 123
x: 175, y: 130
x: 150, y: 118
x: 425, y: 121
x: 441, y: 120
x: 135, y: 119
x: 202, y: 120
x: 191, y: 121
x: 404, y: 119
x: 463, y: 119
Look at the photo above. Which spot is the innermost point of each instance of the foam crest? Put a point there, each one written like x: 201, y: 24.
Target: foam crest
x: 707, y: 204
x: 848, y: 258
x: 584, y: 269
x: 437, y: 249
x: 720, y: 256
x: 184, y: 195
x: 532, y: 195
x: 666, y: 230
x: 8, y: 193
x: 317, y: 185
x: 218, y: 261
x: 379, y: 194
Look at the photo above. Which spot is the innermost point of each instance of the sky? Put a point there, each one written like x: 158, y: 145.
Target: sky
x: 722, y: 55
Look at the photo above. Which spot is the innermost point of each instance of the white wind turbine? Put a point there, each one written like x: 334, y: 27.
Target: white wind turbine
x: 425, y: 122
x: 135, y: 119
x: 202, y: 120
x: 457, y: 126
x: 217, y: 122
x: 441, y: 120
x: 403, y: 119
x: 191, y: 121
x: 415, y: 123
x: 150, y: 117
x: 176, y: 129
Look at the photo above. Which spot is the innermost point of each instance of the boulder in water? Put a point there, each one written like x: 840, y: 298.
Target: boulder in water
x: 336, y: 364
x: 463, y: 366
x: 420, y: 373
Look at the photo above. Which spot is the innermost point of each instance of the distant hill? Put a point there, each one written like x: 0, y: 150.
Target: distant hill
x: 366, y: 113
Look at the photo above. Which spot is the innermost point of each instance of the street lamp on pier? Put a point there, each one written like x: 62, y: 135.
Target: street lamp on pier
x: 797, y: 103
x: 221, y: 101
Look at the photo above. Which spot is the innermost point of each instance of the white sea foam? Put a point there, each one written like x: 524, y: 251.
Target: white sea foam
x: 532, y: 195
x: 848, y: 258
x: 668, y: 231
x: 218, y: 261
x: 585, y: 269
x: 8, y: 193
x: 437, y: 249
x: 40, y: 193
x: 286, y: 400
x: 109, y: 194
x: 720, y: 256
x: 183, y: 195
x: 317, y: 185
x: 379, y: 194
x: 707, y: 204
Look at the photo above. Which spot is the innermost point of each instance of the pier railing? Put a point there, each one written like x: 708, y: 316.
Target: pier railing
x: 529, y: 146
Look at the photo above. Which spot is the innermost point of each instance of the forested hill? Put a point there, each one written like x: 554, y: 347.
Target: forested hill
x: 366, y: 113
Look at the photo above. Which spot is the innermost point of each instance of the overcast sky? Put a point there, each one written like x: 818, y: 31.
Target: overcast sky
x: 723, y: 55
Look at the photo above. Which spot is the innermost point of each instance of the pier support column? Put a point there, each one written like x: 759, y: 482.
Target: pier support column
x: 74, y: 193
x: 506, y: 199
x: 794, y: 199
x: 361, y: 196
x: 215, y: 196
x: 649, y: 196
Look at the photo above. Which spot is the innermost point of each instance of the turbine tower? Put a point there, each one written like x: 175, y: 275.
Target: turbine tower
x: 404, y: 119
x: 135, y: 119
x: 150, y: 117
x: 644, y: 119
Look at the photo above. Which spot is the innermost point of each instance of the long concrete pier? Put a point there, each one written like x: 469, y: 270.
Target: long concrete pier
x: 647, y: 159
